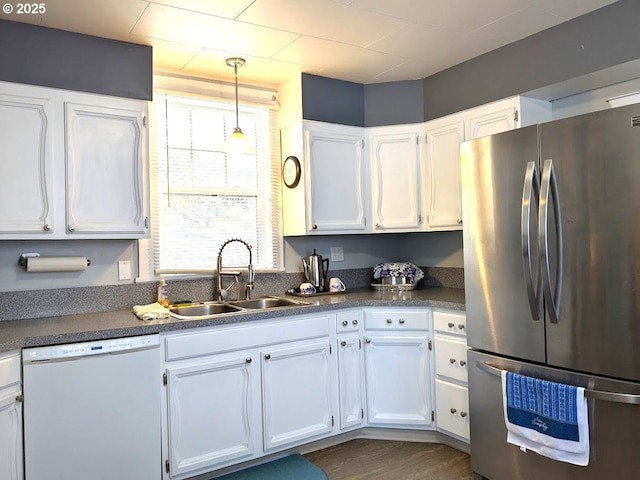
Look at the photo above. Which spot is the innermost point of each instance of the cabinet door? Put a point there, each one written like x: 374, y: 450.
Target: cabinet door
x: 214, y: 410
x: 11, y: 464
x: 396, y: 182
x: 350, y: 381
x: 336, y: 197
x: 297, y: 392
x: 105, y: 156
x: 487, y: 120
x: 399, y: 379
x: 26, y: 196
x: 444, y: 186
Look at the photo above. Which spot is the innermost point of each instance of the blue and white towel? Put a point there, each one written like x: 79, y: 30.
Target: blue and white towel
x: 547, y: 417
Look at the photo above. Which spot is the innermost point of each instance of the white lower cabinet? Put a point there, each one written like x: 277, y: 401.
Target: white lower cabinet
x: 452, y: 395
x: 350, y: 369
x: 399, y: 368
x: 238, y: 392
x: 296, y: 394
x: 11, y: 458
x: 213, y: 407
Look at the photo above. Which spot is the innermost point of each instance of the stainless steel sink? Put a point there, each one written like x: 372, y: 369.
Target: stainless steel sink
x: 266, y: 302
x: 202, y: 310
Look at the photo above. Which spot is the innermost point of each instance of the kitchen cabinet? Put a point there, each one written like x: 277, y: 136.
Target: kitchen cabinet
x: 67, y: 152
x: 221, y: 395
x: 443, y: 136
x: 333, y: 194
x: 350, y: 369
x: 11, y: 458
x: 395, y: 178
x: 399, y: 368
x: 297, y: 387
x: 238, y: 392
x: 452, y: 396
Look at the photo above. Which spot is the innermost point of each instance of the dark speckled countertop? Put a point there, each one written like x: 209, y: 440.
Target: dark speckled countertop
x: 17, y: 334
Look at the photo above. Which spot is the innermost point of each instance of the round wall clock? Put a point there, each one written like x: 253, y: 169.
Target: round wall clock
x: 291, y: 171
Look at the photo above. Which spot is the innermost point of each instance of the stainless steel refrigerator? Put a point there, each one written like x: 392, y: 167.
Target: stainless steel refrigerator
x: 552, y: 284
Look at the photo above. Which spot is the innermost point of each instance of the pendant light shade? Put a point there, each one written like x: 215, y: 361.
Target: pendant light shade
x: 237, y: 142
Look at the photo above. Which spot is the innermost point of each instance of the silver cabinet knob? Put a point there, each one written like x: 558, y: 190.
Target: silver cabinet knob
x: 343, y: 343
x: 452, y: 360
x: 389, y: 321
x: 461, y: 326
x: 47, y: 227
x: 459, y: 221
x: 248, y: 360
x: 463, y: 414
x: 71, y: 228
x: 368, y: 340
x: 355, y: 322
x: 451, y: 325
x: 462, y: 363
x: 314, y: 227
x: 378, y: 226
x: 453, y: 410
x: 401, y: 321
x: 345, y: 323
x: 267, y: 356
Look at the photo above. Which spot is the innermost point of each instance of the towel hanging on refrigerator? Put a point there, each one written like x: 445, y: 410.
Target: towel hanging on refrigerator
x: 547, y: 417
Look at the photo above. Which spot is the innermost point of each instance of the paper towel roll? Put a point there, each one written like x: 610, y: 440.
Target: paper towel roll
x: 56, y: 264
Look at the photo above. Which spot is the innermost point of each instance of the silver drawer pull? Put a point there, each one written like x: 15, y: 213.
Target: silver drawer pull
x: 267, y: 356
x: 451, y: 324
x: 452, y: 360
x: 453, y: 410
x: 463, y: 414
x: 368, y: 340
x: 345, y: 323
x: 389, y: 321
x: 355, y: 322
x: 461, y: 326
x: 343, y: 343
x: 401, y: 321
x: 248, y: 360
x: 462, y: 363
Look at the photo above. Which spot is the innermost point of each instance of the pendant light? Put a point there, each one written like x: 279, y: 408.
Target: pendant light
x: 237, y: 142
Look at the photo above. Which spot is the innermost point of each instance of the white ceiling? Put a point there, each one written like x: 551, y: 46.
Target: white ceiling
x: 363, y: 41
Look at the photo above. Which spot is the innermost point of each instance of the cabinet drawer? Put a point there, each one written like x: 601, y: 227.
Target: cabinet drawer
x: 450, y: 322
x: 9, y: 371
x: 451, y: 358
x: 237, y: 337
x: 348, y: 321
x: 397, y: 319
x: 452, y: 409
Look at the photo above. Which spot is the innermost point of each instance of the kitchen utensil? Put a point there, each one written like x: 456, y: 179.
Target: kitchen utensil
x: 315, y: 270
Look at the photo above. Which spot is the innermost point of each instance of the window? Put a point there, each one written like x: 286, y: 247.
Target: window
x: 202, y: 195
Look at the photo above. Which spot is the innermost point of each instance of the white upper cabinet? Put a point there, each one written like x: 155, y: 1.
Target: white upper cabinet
x: 104, y: 160
x: 78, y: 164
x: 395, y: 172
x: 443, y: 187
x: 26, y: 196
x: 443, y: 199
x: 332, y: 194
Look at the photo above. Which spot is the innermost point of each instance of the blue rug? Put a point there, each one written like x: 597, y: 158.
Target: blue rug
x: 292, y: 467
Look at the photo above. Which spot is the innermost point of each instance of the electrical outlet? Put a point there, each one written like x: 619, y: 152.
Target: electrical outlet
x: 337, y: 255
x: 124, y: 270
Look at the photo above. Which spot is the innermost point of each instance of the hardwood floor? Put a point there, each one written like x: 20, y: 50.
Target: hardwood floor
x: 386, y: 460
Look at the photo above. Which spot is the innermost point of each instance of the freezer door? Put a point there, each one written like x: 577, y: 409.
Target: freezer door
x: 596, y: 159
x: 500, y: 182
x: 614, y: 428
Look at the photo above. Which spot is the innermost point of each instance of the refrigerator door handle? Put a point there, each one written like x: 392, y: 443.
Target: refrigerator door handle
x: 614, y: 397
x: 531, y: 186
x: 549, y: 188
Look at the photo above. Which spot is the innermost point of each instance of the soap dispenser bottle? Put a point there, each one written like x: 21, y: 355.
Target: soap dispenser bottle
x: 163, y: 292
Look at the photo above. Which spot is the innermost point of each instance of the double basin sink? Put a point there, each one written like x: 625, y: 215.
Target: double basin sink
x: 201, y: 311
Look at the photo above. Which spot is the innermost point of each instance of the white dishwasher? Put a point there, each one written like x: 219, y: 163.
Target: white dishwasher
x: 92, y: 410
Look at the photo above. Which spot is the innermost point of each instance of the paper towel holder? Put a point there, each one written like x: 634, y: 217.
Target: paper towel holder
x: 25, y: 257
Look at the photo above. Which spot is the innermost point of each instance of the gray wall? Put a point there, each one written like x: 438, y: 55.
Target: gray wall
x: 54, y: 58
x: 586, y: 44
x: 393, y: 103
x: 334, y: 101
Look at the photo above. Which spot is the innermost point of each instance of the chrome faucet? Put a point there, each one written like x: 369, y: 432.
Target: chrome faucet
x: 221, y: 293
